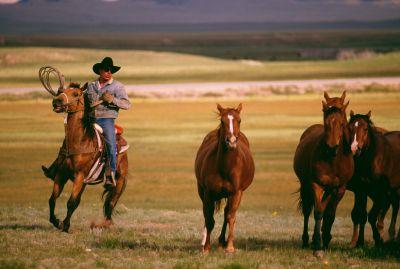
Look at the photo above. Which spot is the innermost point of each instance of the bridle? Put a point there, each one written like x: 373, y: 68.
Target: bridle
x: 68, y: 105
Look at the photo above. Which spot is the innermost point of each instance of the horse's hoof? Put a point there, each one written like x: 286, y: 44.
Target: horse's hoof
x: 222, y: 246
x: 205, y: 252
x: 353, y: 244
x: 57, y: 223
x: 318, y: 254
x: 65, y: 228
x: 229, y: 250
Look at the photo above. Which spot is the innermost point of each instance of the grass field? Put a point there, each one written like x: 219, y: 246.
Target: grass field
x: 159, y: 217
x: 20, y: 67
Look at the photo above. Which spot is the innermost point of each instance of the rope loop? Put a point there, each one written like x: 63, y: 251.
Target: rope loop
x: 45, y: 74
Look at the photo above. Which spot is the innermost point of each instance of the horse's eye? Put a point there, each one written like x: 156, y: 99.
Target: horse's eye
x: 76, y: 94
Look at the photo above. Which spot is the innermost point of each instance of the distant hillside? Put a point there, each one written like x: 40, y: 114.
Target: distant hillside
x: 255, y: 45
x: 8, y: 26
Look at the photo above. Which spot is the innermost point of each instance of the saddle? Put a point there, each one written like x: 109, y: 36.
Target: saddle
x: 99, y: 169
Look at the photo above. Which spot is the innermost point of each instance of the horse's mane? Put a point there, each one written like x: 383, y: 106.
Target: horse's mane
x: 355, y: 117
x: 331, y: 110
x: 86, y: 121
x: 74, y: 85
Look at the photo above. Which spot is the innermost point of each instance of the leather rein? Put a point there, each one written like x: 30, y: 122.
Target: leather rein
x: 79, y: 106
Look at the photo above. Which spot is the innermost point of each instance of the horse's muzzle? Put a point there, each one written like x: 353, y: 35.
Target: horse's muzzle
x: 231, y: 142
x: 57, y: 106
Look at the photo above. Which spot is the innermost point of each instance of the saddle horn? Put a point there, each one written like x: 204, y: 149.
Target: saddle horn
x: 45, y: 74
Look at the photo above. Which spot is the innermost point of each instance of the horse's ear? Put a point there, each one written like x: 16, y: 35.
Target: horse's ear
x: 369, y: 114
x: 351, y: 113
x: 84, y: 87
x: 220, y: 108
x: 324, y: 105
x: 326, y: 96
x: 345, y: 106
x: 343, y: 96
x: 239, y: 108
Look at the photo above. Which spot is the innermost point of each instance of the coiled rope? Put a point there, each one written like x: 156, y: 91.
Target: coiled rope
x: 45, y: 74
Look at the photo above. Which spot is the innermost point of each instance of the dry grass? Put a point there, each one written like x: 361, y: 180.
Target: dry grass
x: 159, y: 218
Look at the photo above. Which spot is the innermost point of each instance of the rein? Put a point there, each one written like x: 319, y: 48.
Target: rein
x: 67, y: 152
x: 69, y: 103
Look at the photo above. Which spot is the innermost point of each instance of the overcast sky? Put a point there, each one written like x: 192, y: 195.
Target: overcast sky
x: 194, y: 11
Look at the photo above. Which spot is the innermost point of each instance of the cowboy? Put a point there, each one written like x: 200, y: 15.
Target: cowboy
x: 113, y: 96
x: 106, y: 96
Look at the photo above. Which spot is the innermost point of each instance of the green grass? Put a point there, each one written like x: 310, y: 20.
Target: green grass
x: 159, y: 220
x: 20, y: 67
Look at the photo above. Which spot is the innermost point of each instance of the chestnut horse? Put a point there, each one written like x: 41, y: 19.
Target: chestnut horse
x: 376, y: 163
x: 82, y: 150
x: 324, y: 164
x: 224, y: 168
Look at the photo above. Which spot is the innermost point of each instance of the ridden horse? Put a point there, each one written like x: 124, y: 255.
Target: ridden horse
x: 81, y: 152
x: 324, y: 164
x: 376, y: 165
x: 224, y: 168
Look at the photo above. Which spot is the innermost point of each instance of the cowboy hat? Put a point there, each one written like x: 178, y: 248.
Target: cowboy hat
x: 107, y: 63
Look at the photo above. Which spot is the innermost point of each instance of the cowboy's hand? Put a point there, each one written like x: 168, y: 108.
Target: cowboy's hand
x: 107, y: 97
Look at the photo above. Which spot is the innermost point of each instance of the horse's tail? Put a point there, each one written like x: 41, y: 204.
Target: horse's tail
x: 218, y: 205
x: 305, y: 202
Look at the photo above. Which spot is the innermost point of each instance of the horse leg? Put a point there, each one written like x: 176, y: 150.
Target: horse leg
x: 359, y: 218
x: 74, y: 200
x: 221, y: 239
x: 380, y: 224
x: 307, y: 206
x: 372, y: 219
x: 395, y: 211
x: 319, y: 207
x: 329, y: 216
x: 234, y: 203
x: 112, y: 198
x: 57, y: 190
x: 208, y: 211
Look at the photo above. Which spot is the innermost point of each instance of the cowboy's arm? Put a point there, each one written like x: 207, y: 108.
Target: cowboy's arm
x: 121, y: 99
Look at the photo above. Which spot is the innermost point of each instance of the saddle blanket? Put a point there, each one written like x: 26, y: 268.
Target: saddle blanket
x: 96, y: 174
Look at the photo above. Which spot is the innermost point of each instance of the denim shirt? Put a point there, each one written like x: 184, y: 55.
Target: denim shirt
x: 114, y: 87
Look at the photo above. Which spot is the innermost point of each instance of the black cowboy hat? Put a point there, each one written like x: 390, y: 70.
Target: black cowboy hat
x: 107, y: 63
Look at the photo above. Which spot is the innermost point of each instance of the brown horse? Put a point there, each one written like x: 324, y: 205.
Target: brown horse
x: 375, y: 152
x: 81, y: 151
x: 324, y: 164
x: 224, y: 169
x: 317, y: 129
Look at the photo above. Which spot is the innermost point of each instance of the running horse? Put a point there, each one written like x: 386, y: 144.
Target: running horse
x: 324, y: 164
x: 376, y: 155
x: 224, y: 168
x: 82, y: 150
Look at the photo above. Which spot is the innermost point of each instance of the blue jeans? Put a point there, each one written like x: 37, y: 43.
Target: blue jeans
x: 109, y: 134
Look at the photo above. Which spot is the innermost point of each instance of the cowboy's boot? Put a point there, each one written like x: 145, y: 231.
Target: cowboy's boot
x: 52, y: 170
x: 110, y: 181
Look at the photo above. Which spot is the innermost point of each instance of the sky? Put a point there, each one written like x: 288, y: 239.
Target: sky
x: 195, y: 11
x: 34, y: 15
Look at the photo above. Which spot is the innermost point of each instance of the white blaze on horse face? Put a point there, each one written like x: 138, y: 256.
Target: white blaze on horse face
x: 203, y: 240
x: 354, y: 145
x: 230, y: 117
